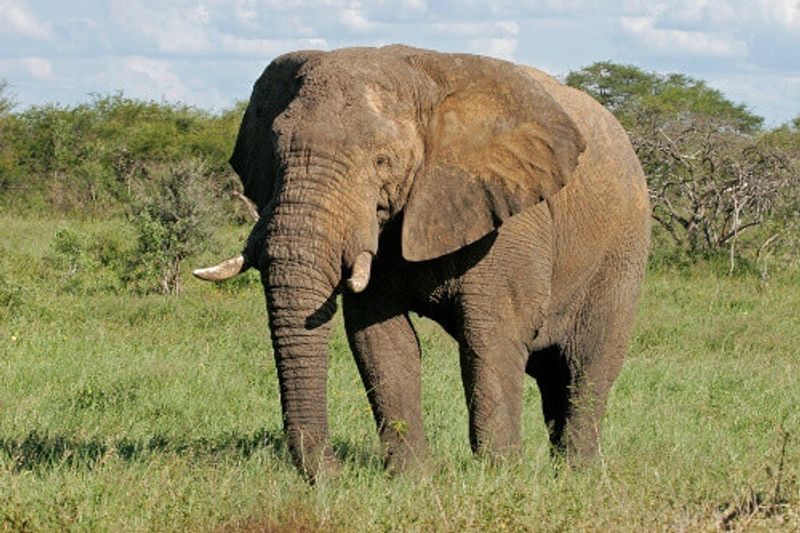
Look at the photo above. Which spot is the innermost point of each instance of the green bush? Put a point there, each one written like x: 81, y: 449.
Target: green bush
x: 87, y: 158
x: 174, y: 215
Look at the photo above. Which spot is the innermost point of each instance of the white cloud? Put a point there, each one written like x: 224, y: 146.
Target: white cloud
x: 677, y: 42
x: 15, y: 17
x: 38, y: 67
x: 716, y: 14
x: 355, y: 19
x: 501, y: 48
x: 245, y: 11
x: 151, y: 77
x: 508, y: 26
x: 155, y: 70
x: 782, y: 12
x: 181, y: 29
x: 267, y: 48
x: 417, y: 6
x: 462, y: 29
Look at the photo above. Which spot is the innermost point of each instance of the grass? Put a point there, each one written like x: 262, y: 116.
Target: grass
x: 121, y: 412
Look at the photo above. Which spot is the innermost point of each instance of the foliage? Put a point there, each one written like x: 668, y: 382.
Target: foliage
x: 629, y: 92
x: 86, y: 157
x: 6, y: 101
x: 174, y: 217
x: 125, y: 412
x: 86, y: 264
x: 7, y: 154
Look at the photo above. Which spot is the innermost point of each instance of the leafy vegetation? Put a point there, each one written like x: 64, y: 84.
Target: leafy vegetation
x: 173, y: 221
x: 89, y: 157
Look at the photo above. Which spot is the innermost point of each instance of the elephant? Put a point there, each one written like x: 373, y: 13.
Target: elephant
x: 485, y: 195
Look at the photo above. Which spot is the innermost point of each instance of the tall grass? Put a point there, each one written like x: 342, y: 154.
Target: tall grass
x: 123, y: 412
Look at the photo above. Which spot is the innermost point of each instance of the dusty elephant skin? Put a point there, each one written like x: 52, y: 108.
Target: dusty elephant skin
x: 484, y: 195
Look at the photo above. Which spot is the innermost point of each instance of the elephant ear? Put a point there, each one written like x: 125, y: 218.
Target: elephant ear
x: 253, y: 157
x: 497, y: 144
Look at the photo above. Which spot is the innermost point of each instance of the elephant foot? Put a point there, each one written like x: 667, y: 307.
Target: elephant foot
x: 316, y: 463
x: 405, y: 453
x: 408, y: 461
x: 327, y: 469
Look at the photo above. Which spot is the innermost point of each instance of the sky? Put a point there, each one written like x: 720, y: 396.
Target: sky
x: 208, y: 53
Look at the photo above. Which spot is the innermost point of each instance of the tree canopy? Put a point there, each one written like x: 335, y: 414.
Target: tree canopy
x: 630, y: 92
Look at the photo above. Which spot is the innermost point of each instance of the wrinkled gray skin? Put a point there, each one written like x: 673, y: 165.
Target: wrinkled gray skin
x: 506, y: 207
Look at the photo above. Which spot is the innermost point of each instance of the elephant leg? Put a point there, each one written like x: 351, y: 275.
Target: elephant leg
x: 575, y: 377
x: 551, y: 370
x: 492, y: 372
x: 387, y: 352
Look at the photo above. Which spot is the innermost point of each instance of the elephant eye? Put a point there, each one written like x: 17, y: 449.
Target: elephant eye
x: 383, y: 161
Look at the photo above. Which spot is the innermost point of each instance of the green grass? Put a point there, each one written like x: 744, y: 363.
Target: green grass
x: 120, y: 412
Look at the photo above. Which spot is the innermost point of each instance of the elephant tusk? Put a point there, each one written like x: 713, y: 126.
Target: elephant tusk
x: 360, y: 277
x: 225, y: 270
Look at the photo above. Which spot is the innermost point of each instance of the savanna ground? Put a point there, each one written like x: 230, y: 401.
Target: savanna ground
x: 124, y: 412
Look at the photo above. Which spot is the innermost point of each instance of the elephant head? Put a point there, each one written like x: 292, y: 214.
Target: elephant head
x: 334, y: 145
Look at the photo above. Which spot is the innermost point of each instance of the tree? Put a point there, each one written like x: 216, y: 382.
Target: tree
x: 613, y: 85
x: 629, y: 92
x: 708, y: 184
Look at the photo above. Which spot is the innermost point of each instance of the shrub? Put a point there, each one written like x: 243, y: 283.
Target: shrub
x: 87, y: 158
x: 174, y: 217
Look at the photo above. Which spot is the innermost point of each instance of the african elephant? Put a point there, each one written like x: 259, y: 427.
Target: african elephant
x: 508, y: 208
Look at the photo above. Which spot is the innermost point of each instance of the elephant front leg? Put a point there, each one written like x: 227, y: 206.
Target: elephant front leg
x: 492, y: 371
x: 386, y: 350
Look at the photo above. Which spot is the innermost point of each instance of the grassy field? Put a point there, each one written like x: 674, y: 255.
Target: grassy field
x: 122, y: 412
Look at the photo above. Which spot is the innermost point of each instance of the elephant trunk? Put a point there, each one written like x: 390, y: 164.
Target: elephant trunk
x: 306, y: 247
x: 300, y: 303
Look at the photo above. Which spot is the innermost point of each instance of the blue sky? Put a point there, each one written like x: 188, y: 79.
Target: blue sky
x: 209, y: 52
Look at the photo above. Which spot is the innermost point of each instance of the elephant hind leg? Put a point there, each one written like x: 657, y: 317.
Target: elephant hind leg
x: 575, y: 377
x: 574, y: 386
x: 550, y: 368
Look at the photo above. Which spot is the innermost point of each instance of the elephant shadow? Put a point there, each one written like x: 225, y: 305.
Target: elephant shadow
x: 359, y: 455
x: 41, y: 450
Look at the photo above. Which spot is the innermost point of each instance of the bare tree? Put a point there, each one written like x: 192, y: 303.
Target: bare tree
x: 709, y: 182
